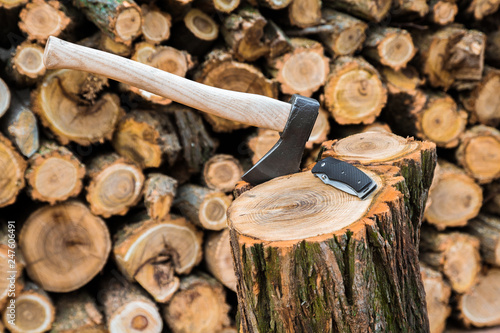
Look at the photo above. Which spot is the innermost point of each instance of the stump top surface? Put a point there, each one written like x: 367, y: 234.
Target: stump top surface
x: 296, y: 207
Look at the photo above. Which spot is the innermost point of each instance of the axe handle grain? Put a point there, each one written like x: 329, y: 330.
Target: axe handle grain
x: 251, y: 109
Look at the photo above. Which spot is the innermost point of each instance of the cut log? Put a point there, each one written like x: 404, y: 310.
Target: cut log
x: 320, y: 130
x: 199, y: 306
x: 303, y: 70
x: 491, y: 203
x: 354, y: 92
x: 218, y: 258
x: 26, y: 65
x: 120, y: 19
x: 128, y: 309
x: 437, y: 297
x: 147, y: 138
x: 79, y: 251
x: 54, y: 174
x: 261, y: 143
x: 304, y: 13
x: 482, y: 8
x: 33, y: 311
x: 59, y: 104
x: 304, y: 263
x: 20, y: 125
x: 9, y: 4
x: 454, y: 198
x: 481, y: 305
x: 11, y: 264
x: 407, y: 80
x: 243, y: 32
x: 165, y: 58
x: 221, y: 172
x: 156, y: 24
x: 78, y: 313
x: 40, y: 19
x: 483, y: 102
x: 487, y: 230
x: 5, y: 97
x: 204, y: 207
x: 432, y: 116
x: 226, y: 6
x: 159, y: 193
x: 347, y: 33
x: 115, y: 185
x: 154, y: 252
x: 410, y: 8
x: 221, y: 71
x: 467, y: 56
x: 369, y: 10
x: 391, y: 47
x: 442, y: 12
x: 274, y: 4
x: 455, y: 254
x: 479, y: 153
x: 12, y: 168
x: 276, y: 39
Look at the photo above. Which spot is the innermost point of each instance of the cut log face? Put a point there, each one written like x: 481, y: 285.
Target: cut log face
x: 159, y: 193
x: 54, y: 174
x: 304, y: 13
x: 12, y: 168
x: 437, y: 297
x: 479, y: 153
x: 57, y: 102
x: 34, y: 311
x: 353, y: 92
x: 454, y: 198
x: 156, y: 24
x: 9, y: 4
x: 443, y: 12
x: 115, y: 185
x: 218, y: 258
x: 153, y: 253
x: 201, y: 25
x: 199, y: 306
x: 78, y: 313
x: 41, y: 19
x: 391, y: 47
x: 410, y: 8
x: 4, y: 97
x: 79, y: 251
x: 482, y: 8
x: 222, y: 172
x: 226, y: 6
x: 27, y: 63
x: 481, y: 305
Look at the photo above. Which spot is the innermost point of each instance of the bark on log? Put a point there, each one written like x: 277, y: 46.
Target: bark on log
x: 455, y: 254
x: 41, y: 19
x: 115, y: 185
x: 481, y: 305
x: 54, y: 174
x: 221, y: 172
x: 218, y: 258
x: 303, y: 70
x: 492, y: 198
x: 354, y: 92
x: 127, y: 308
x: 20, y: 125
x: 487, y: 230
x: 120, y: 19
x: 204, y: 207
x: 454, y: 198
x: 12, y: 168
x: 79, y: 251
x: 315, y: 276
x: 304, y: 13
x: 159, y: 193
x: 5, y: 97
x: 78, y: 313
x: 59, y: 103
x: 154, y: 252
x: 26, y: 65
x: 221, y: 71
x: 276, y: 39
x: 437, y: 297
x: 483, y: 102
x: 492, y: 52
x: 147, y: 137
x: 199, y: 306
x: 410, y: 8
x: 479, y: 153
x: 347, y: 34
x: 391, y: 47
x: 35, y: 311
x: 369, y: 10
x: 442, y: 12
x: 162, y: 57
x: 156, y: 24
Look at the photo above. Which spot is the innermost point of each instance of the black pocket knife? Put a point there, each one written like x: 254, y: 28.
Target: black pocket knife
x: 344, y: 176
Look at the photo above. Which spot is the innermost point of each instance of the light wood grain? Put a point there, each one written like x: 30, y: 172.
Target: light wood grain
x: 245, y: 108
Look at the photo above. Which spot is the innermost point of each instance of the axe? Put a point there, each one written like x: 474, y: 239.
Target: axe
x: 294, y: 120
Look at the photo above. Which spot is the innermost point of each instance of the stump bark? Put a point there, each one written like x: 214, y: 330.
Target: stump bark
x: 310, y: 257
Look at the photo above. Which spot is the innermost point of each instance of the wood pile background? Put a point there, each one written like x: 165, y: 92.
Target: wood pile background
x: 119, y: 196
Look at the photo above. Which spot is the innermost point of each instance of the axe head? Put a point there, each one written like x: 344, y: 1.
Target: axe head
x: 285, y: 157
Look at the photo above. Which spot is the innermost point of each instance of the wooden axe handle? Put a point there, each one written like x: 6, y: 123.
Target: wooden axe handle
x: 251, y: 109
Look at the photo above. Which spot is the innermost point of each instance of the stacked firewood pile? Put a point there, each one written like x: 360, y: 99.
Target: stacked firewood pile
x: 119, y: 196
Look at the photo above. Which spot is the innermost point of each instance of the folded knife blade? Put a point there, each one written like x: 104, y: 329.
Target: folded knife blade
x: 344, y: 176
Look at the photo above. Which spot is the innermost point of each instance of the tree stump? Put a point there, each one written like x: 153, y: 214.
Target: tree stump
x: 310, y: 257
